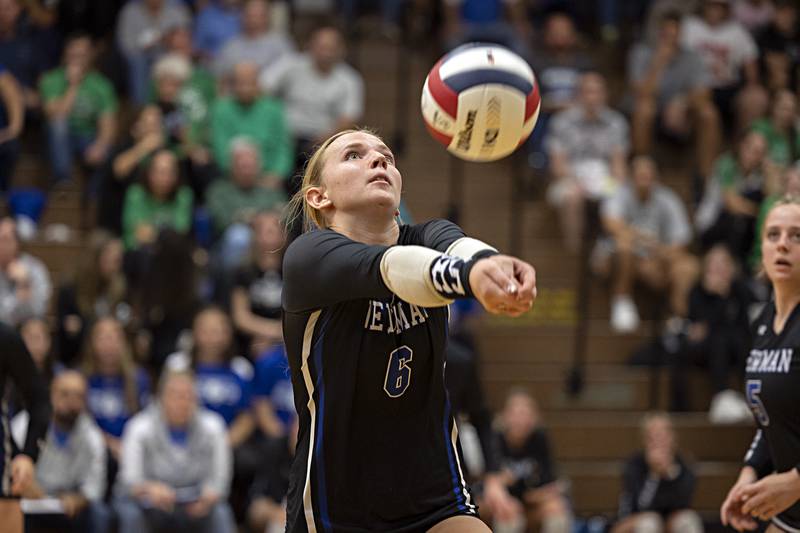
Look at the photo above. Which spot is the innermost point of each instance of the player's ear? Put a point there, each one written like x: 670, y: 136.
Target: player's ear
x: 317, y: 197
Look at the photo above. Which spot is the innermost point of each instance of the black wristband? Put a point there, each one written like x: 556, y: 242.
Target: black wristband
x: 450, y: 276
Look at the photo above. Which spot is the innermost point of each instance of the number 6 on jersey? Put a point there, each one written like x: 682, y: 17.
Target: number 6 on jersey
x: 398, y: 373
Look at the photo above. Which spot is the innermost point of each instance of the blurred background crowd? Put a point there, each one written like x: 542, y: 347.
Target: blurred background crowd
x: 161, y: 139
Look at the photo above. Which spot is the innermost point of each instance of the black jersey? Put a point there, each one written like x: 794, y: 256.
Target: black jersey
x: 377, y: 443
x: 16, y: 364
x: 773, y: 392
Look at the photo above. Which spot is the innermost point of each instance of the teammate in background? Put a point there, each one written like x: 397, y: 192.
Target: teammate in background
x: 768, y: 487
x: 657, y: 484
x: 16, y: 466
x: 365, y: 324
x: 528, y: 469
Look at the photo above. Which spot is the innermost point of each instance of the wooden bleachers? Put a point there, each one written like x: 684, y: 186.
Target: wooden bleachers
x: 592, y: 433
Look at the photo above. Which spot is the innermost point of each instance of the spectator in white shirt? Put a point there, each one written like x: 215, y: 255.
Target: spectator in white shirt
x: 731, y: 57
x: 586, y: 145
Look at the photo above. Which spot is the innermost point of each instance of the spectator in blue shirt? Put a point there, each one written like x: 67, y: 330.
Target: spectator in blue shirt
x: 215, y: 24
x: 223, y: 380
x: 118, y: 388
x: 273, y: 400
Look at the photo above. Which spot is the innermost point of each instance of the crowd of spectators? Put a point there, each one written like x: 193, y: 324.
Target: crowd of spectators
x: 184, y: 123
x: 189, y: 122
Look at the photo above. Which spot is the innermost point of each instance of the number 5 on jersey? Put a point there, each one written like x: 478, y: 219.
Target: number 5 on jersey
x: 398, y: 373
x: 753, y: 391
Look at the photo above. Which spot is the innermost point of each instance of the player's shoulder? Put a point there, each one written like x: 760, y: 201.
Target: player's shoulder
x: 306, y: 244
x: 417, y: 233
x: 309, y: 239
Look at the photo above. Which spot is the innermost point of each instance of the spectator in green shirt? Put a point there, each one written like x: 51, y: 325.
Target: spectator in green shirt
x: 258, y: 117
x: 741, y: 180
x: 780, y: 128
x: 234, y: 201
x: 159, y: 202
x: 80, y: 106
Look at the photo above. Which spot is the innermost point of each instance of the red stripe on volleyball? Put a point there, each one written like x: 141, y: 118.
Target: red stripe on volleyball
x: 532, y: 101
x: 439, y: 136
x: 446, y: 97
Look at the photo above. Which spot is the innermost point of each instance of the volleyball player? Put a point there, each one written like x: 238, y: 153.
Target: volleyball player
x: 16, y: 466
x: 768, y: 487
x: 365, y: 325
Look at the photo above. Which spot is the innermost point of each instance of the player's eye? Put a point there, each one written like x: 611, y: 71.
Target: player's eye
x: 351, y: 155
x: 389, y: 158
x: 773, y: 234
x: 794, y: 235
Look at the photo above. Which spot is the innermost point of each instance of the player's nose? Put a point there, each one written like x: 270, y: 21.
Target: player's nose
x: 378, y: 159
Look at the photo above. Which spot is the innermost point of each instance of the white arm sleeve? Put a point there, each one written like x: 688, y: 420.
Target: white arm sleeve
x: 467, y: 247
x: 406, y: 271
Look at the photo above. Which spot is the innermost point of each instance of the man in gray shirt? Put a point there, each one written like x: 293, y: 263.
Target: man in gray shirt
x: 175, y: 466
x: 323, y: 94
x: 671, y: 87
x: 649, y: 233
x: 256, y: 44
x: 72, y: 464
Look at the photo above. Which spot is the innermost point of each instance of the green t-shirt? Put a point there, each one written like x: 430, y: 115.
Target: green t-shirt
x: 730, y: 176
x: 227, y: 203
x: 95, y: 98
x: 780, y: 147
x: 141, y: 208
x: 264, y: 122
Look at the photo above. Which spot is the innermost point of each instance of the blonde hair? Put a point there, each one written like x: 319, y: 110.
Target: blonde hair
x: 298, y: 208
x: 787, y: 199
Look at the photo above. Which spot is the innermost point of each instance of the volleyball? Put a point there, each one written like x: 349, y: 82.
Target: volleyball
x: 481, y: 101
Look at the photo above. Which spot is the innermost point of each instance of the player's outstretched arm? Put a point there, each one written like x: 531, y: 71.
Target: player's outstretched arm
x: 503, y: 284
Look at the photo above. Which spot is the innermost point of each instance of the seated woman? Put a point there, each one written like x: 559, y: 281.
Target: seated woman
x: 718, y: 325
x: 159, y: 201
x: 729, y: 208
x: 223, y: 379
x: 99, y: 288
x: 527, y: 469
x: 657, y: 484
x: 147, y: 135
x: 118, y: 388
